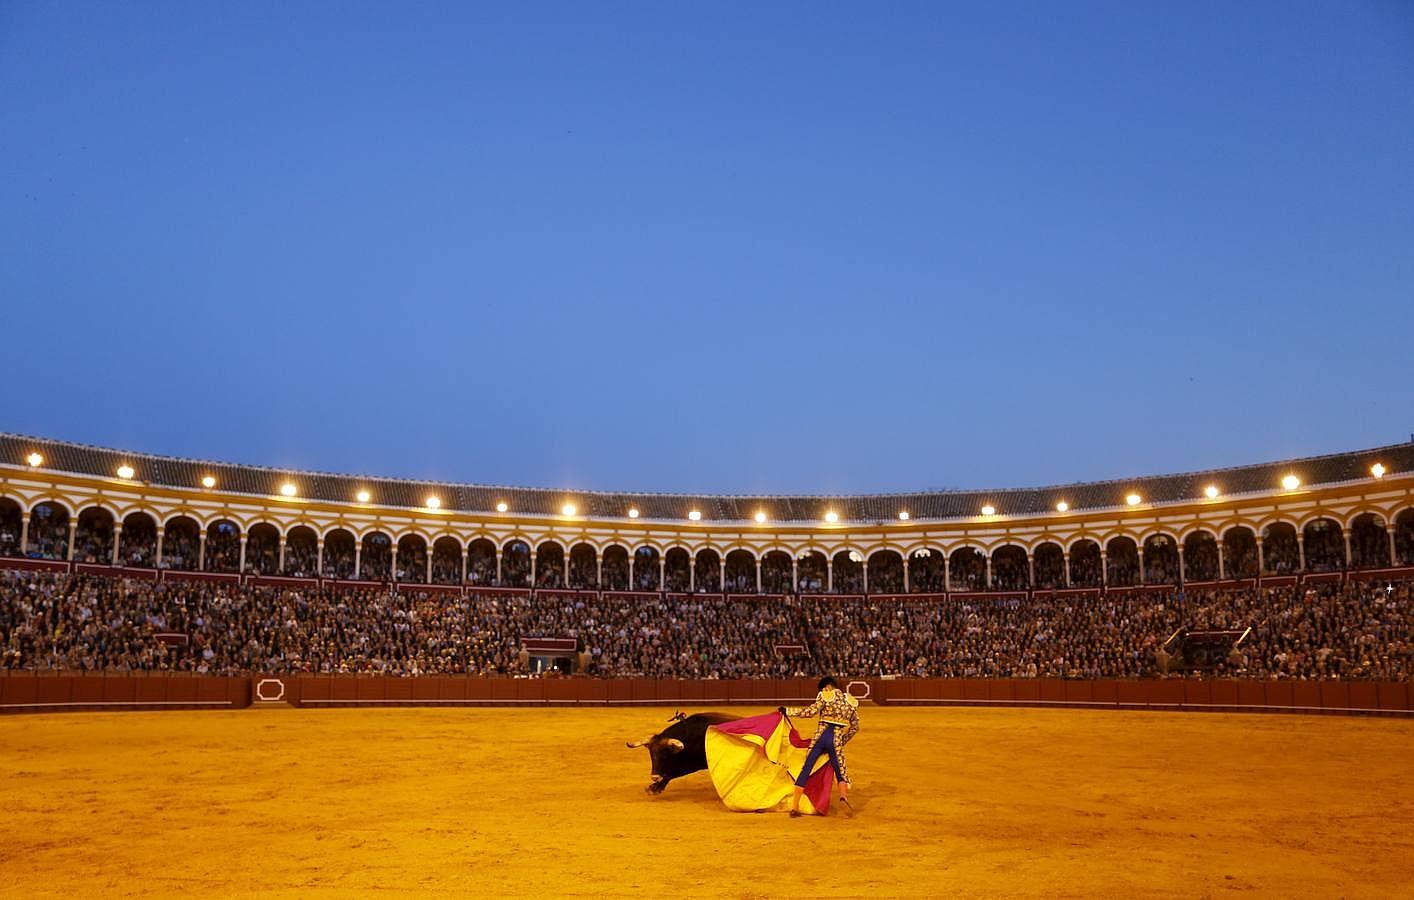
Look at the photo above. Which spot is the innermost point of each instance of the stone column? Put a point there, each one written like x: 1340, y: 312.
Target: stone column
x: 722, y: 573
x: 1181, y: 573
x: 829, y: 574
x: 461, y: 548
x: 393, y: 564
x: 795, y: 575
x: 118, y: 541
x: 1104, y: 568
x: 161, y: 534
x: 74, y: 527
x: 1222, y: 565
x: 1389, y: 533
x: 240, y: 566
x: 566, y: 559
x: 1301, y: 551
x: 201, y: 551
x: 988, y: 582
x: 319, y: 558
x: 598, y: 572
x: 692, y: 574
x: 758, y: 575
x: 498, y: 568
x: 24, y: 534
x: 662, y: 573
x: 1066, y: 558
x: 1261, y: 558
x: 905, y: 575
x: 1030, y: 570
x: 864, y: 570
x: 358, y: 559
x: 281, y: 563
x: 947, y: 574
x: 1143, y: 576
x: 1349, y: 560
x: 429, y: 565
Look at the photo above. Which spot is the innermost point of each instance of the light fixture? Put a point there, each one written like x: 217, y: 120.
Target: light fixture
x: 502, y: 507
x: 364, y: 496
x: 760, y: 517
x: 1211, y: 491
x: 856, y: 556
x: 989, y: 510
x: 633, y: 512
x: 832, y: 516
x: 1291, y: 482
x: 1133, y: 499
x: 1378, y: 470
x: 35, y: 460
x: 288, y: 489
x: 125, y: 471
x: 569, y: 509
x: 695, y: 516
x: 208, y: 481
x: 433, y: 502
x: 903, y: 515
x: 1062, y: 506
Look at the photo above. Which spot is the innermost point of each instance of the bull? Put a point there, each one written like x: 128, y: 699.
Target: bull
x: 680, y: 749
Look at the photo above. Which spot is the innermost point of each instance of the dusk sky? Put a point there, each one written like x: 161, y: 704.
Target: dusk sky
x: 736, y: 248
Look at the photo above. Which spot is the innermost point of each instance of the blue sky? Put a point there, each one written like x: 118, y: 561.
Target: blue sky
x: 756, y: 247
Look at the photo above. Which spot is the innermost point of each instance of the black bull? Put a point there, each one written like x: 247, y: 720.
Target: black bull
x: 680, y: 749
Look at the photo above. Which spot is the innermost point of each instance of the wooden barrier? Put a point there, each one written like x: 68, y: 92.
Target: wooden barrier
x: 48, y: 692
x: 40, y: 692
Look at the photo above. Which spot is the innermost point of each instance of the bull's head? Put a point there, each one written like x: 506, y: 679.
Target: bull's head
x: 660, y: 750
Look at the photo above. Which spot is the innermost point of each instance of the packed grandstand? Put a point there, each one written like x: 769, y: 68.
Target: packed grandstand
x: 124, y: 562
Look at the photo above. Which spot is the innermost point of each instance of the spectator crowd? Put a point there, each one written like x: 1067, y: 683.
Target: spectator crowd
x: 1359, y: 630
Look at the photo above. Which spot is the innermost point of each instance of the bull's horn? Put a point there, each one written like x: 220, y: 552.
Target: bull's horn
x: 673, y: 744
x: 642, y: 743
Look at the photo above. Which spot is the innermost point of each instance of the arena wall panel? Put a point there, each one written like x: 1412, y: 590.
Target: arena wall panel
x: 1052, y: 690
x: 1360, y: 695
x: 1334, y: 694
x: 619, y: 690
x: 342, y: 690
x: 1394, y: 695
x: 399, y: 689
x: 1223, y: 692
x: 181, y: 690
x: 1166, y: 693
x: 91, y: 689
x: 1197, y: 693
x: 452, y: 688
x: 151, y: 690
x: 1104, y: 692
x: 1131, y: 693
x: 503, y: 690
x: 1251, y: 693
x: 1306, y: 695
x: 1025, y: 690
x: 424, y: 689
x: 561, y: 690
x: 1077, y: 692
x: 1279, y: 695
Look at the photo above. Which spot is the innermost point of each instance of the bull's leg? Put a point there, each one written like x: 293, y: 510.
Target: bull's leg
x: 656, y: 785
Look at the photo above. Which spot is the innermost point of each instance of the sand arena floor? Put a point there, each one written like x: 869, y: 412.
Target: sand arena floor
x: 478, y: 802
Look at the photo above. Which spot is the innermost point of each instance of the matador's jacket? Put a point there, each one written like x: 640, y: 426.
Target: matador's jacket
x: 833, y: 707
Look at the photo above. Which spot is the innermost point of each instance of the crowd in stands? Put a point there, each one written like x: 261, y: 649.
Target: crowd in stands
x: 1362, y: 630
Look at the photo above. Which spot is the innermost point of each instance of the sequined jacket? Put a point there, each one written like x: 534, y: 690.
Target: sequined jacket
x: 833, y: 707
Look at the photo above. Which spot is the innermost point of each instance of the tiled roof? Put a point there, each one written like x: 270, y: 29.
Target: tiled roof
x: 173, y: 472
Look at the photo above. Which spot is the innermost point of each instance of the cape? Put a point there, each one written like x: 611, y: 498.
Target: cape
x: 754, y: 761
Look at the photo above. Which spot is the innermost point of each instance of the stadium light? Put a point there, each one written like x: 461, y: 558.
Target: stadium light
x: 502, y: 507
x: 1211, y: 491
x: 569, y: 509
x: 903, y: 515
x: 1378, y: 470
x: 433, y: 502
x: 633, y: 512
x: 125, y: 471
x: 288, y: 489
x: 35, y: 460
x: 989, y: 510
x: 364, y: 496
x: 1291, y: 482
x: 760, y: 517
x: 1062, y: 506
x: 695, y: 516
x: 208, y: 481
x: 1133, y: 499
x: 832, y: 517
